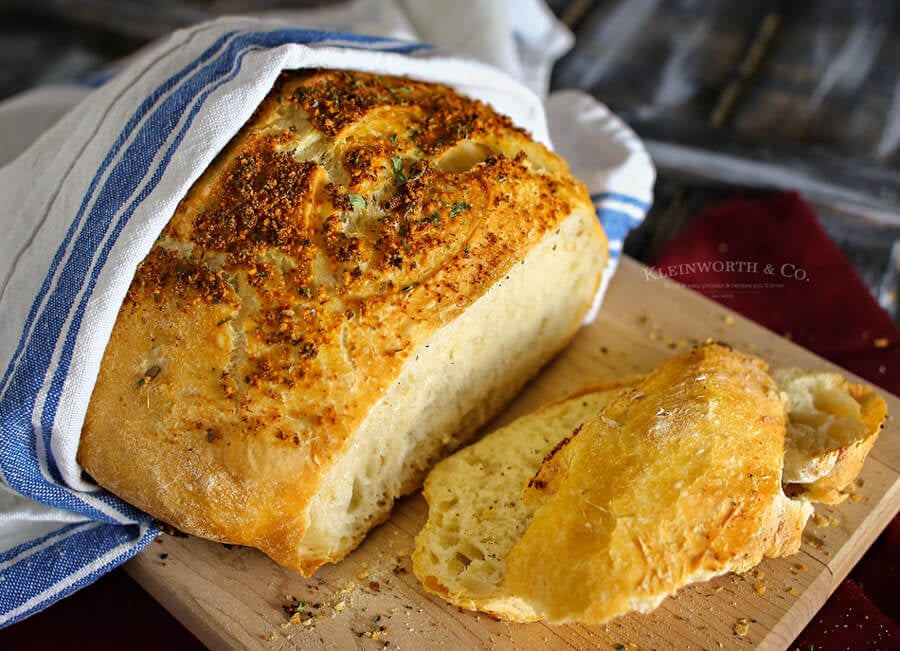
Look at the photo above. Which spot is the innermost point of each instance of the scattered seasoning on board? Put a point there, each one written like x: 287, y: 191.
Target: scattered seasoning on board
x: 741, y: 627
x: 822, y: 520
x: 169, y: 530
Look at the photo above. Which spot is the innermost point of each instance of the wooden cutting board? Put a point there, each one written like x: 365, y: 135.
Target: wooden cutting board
x: 233, y: 597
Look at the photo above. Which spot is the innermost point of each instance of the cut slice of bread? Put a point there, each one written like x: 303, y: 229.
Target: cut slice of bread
x: 476, y: 510
x: 483, y: 500
x: 677, y: 480
x: 832, y: 425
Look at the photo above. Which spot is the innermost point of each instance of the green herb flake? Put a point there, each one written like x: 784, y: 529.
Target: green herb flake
x: 458, y: 208
x: 397, y: 165
x: 357, y: 201
x: 433, y: 218
x: 394, y: 139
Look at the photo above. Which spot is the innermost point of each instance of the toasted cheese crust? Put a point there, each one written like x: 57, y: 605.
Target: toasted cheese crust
x: 350, y: 220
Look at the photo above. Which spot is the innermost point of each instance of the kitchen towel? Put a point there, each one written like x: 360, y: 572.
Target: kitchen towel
x: 85, y: 201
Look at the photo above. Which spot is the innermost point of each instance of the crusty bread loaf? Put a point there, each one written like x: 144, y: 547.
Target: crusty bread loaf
x: 832, y: 425
x: 366, y: 274
x: 673, y: 478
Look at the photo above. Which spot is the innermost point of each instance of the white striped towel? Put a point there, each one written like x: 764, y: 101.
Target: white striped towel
x: 84, y: 203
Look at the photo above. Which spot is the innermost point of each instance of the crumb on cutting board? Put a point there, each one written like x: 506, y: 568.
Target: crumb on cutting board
x: 741, y: 627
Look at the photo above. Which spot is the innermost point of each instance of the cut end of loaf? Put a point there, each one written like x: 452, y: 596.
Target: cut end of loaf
x: 428, y: 414
x: 832, y: 426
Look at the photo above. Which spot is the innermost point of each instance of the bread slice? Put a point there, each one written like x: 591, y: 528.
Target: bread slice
x: 482, y: 500
x: 365, y: 275
x: 477, y: 512
x: 832, y: 425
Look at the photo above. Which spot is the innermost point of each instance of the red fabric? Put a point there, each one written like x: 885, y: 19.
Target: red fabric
x: 787, y: 275
x: 814, y: 295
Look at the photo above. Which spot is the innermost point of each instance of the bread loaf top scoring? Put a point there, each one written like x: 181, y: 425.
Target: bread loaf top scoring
x: 352, y: 217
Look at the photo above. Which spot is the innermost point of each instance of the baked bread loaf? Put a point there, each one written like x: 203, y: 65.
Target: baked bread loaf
x: 832, y: 425
x: 672, y: 478
x: 366, y: 274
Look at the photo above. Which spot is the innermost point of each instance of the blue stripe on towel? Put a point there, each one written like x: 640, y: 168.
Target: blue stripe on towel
x: 619, y: 214
x: 53, y: 571
x: 622, y: 198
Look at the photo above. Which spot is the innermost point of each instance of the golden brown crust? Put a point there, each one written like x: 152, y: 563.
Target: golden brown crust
x: 350, y: 219
x: 678, y: 479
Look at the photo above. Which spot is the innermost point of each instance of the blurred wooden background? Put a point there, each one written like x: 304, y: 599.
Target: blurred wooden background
x: 729, y: 95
